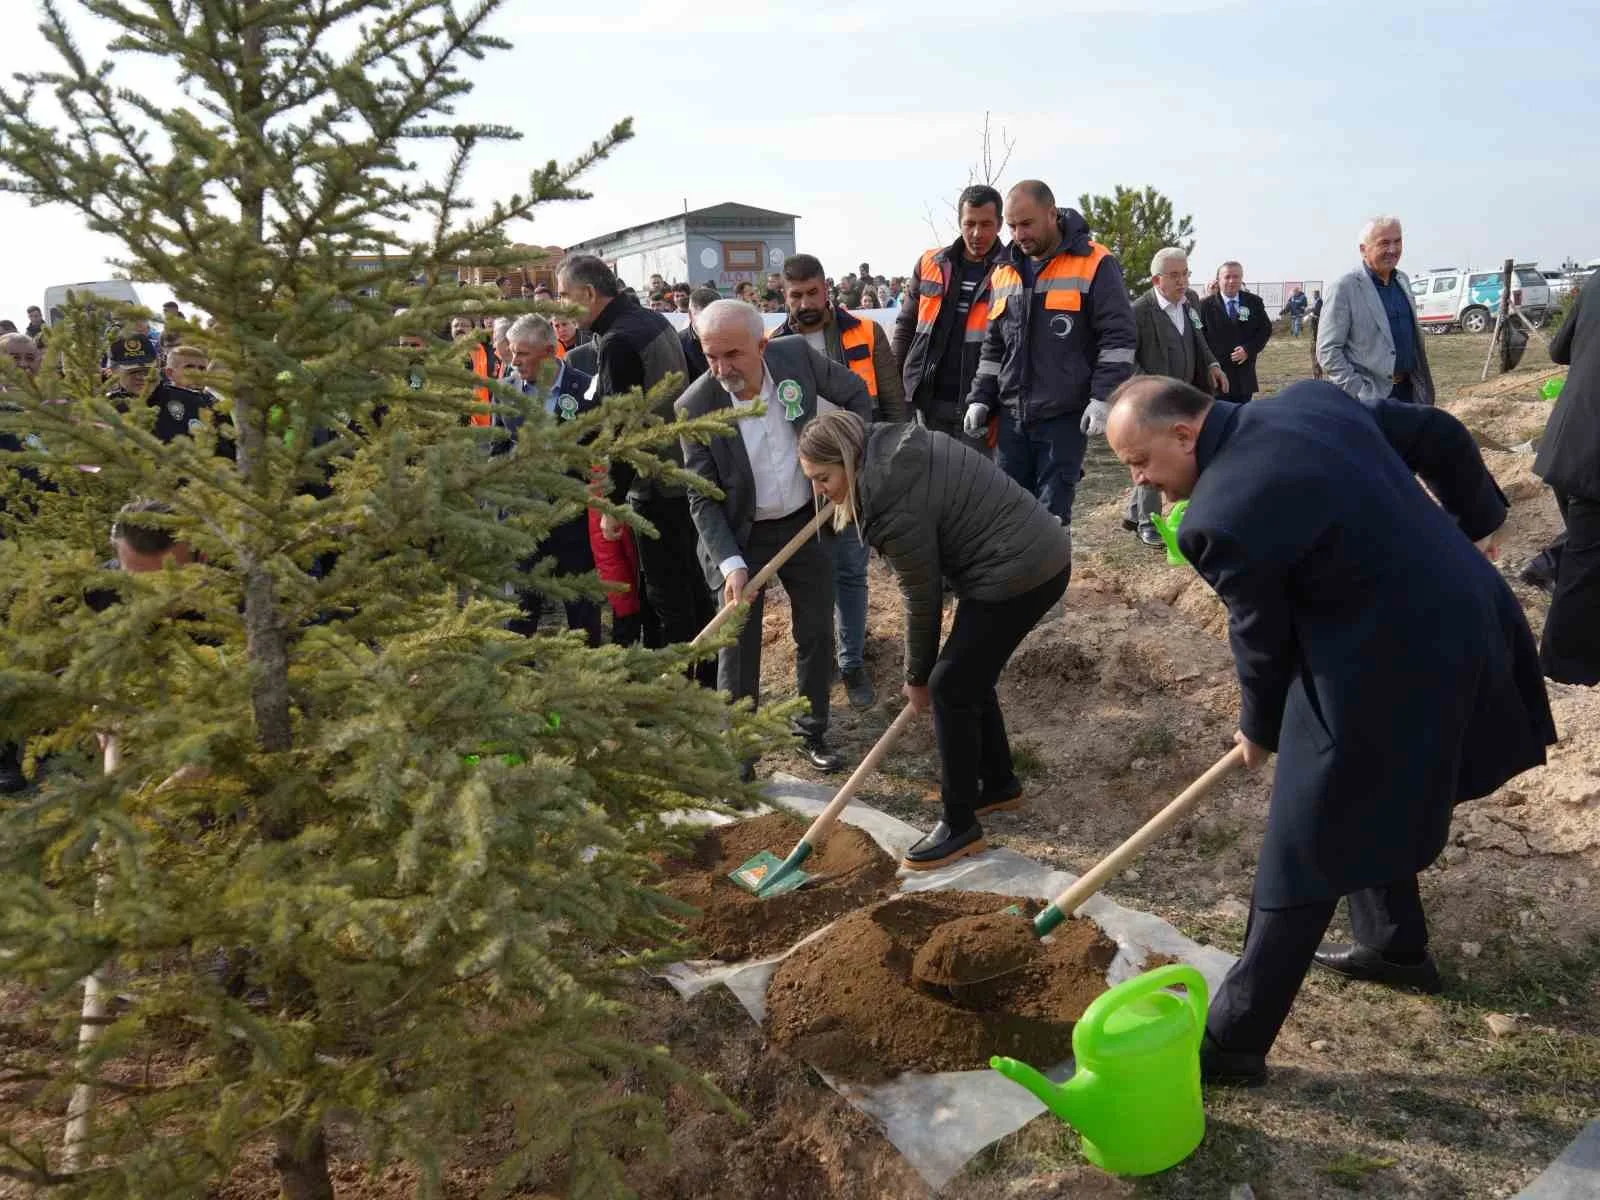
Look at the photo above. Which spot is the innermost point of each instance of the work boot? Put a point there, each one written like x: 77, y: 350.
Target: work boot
x: 858, y: 687
x: 1005, y: 797
x: 943, y: 846
x: 1363, y: 962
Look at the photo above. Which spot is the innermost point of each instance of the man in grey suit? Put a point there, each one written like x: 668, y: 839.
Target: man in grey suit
x: 1170, y: 342
x: 1369, y: 342
x: 766, y: 497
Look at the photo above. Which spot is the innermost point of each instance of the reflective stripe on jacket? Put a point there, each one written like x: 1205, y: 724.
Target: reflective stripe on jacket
x: 857, y: 339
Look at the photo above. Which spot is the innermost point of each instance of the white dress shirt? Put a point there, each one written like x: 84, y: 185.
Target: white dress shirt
x: 774, y: 451
x: 1174, y: 311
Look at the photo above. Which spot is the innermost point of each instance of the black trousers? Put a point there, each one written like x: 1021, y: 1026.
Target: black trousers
x: 1254, y: 1000
x: 808, y: 580
x: 1569, y: 651
x: 568, y: 546
x: 673, y: 583
x: 967, y: 724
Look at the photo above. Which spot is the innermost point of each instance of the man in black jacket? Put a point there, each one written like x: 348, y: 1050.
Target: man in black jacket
x: 1060, y: 340
x: 638, y: 349
x: 1237, y: 328
x: 938, y: 336
x: 1569, y: 461
x: 1380, y: 654
x: 693, y: 356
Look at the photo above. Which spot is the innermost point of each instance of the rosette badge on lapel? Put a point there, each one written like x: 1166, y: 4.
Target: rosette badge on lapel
x: 792, y: 396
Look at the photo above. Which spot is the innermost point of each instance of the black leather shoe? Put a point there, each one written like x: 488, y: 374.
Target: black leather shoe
x: 820, y: 755
x: 1149, y: 535
x: 1536, y: 577
x: 942, y: 846
x: 1363, y: 962
x: 858, y: 688
x: 1130, y: 526
x: 1230, y: 1068
x: 1005, y: 798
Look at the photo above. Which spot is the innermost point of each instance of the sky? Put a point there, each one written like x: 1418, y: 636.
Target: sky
x: 1279, y: 127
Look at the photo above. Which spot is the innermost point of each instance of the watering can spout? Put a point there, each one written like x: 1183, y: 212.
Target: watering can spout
x: 1066, y: 1100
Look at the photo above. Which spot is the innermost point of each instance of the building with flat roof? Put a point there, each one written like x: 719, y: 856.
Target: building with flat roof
x: 721, y: 247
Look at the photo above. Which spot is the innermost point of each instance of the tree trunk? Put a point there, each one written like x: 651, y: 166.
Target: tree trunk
x: 302, y: 1165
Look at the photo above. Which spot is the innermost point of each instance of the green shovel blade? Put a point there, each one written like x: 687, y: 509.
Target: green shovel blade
x: 763, y: 875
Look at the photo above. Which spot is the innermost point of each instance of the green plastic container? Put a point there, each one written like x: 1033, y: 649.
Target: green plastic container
x: 1135, y: 1094
x: 1167, y: 527
x: 1551, y: 388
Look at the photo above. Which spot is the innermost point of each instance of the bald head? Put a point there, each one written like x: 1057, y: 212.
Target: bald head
x: 1153, y: 429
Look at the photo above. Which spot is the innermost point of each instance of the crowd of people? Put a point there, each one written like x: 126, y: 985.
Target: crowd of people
x: 1380, y: 654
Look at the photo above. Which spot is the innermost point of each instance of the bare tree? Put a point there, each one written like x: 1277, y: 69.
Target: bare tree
x: 991, y: 165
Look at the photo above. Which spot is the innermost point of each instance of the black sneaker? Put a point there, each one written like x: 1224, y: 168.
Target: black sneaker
x: 1005, y: 798
x: 941, y: 847
x: 820, y: 755
x: 858, y: 688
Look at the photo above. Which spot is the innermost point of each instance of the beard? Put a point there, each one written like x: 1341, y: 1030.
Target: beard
x: 733, y: 382
x: 809, y: 317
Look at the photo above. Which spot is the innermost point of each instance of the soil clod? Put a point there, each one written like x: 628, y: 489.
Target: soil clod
x: 850, y: 870
x: 850, y: 1005
x: 976, y: 949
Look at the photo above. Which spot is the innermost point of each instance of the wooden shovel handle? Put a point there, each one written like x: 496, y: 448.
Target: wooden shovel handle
x: 869, y: 764
x: 760, y: 578
x: 1096, y: 877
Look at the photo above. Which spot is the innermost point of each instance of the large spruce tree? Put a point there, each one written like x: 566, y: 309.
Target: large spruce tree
x: 368, y: 860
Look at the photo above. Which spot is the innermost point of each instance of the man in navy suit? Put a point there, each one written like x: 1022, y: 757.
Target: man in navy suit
x: 1379, y: 652
x: 533, y: 344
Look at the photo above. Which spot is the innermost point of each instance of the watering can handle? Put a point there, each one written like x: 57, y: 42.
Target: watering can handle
x: 1092, y: 1024
x: 760, y: 578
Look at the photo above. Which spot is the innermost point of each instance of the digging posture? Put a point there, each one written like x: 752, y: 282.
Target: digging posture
x: 1379, y: 653
x: 940, y: 511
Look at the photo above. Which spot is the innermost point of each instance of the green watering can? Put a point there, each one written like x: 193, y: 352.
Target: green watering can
x: 1551, y: 388
x: 1135, y: 1095
x: 1167, y: 527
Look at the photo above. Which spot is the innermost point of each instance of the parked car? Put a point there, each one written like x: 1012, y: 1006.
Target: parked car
x: 1461, y: 298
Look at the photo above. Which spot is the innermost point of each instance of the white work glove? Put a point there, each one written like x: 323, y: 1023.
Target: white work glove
x: 976, y: 422
x: 1094, y: 418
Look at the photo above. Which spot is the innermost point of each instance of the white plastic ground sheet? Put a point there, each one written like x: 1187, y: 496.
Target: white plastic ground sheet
x: 939, y: 1122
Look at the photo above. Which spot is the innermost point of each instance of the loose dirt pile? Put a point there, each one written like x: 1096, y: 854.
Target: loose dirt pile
x: 847, y: 1003
x: 734, y: 924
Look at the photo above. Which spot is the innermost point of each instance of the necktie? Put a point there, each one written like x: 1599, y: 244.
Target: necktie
x: 1233, y: 310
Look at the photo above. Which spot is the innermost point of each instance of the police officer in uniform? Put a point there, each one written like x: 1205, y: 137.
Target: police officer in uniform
x: 178, y: 410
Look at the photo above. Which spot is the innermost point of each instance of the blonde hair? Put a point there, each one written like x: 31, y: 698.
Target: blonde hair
x: 837, y: 439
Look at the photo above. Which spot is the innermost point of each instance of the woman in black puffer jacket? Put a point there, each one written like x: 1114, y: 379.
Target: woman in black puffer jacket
x: 939, y: 512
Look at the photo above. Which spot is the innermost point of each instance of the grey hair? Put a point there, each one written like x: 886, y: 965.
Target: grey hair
x: 1375, y: 224
x: 501, y: 326
x: 531, y: 329
x: 735, y: 312
x: 1158, y: 264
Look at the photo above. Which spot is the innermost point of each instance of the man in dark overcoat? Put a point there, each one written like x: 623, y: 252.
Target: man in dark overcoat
x: 1569, y: 461
x: 1379, y: 653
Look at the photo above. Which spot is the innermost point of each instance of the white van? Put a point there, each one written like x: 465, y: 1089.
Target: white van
x: 1461, y: 298
x: 55, y: 298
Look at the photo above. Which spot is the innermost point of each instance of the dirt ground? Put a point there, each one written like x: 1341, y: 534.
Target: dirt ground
x: 1113, y: 707
x: 1121, y: 701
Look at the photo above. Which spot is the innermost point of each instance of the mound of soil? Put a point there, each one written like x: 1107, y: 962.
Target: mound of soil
x: 848, y: 1004
x: 734, y: 924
